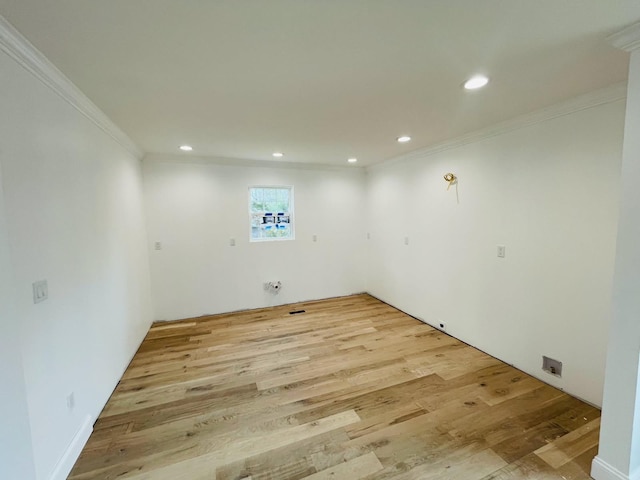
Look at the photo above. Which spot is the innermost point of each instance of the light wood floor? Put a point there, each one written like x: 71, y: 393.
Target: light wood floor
x: 351, y: 389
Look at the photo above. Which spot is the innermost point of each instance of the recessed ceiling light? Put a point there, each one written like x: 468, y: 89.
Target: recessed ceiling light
x: 477, y: 81
x: 404, y: 139
x: 352, y: 160
x: 278, y: 154
x: 186, y: 148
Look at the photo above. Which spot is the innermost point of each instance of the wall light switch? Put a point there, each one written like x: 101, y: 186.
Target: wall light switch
x: 501, y: 251
x: 232, y: 242
x: 40, y: 291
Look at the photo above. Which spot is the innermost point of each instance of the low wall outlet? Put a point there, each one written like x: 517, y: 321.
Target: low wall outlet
x: 40, y: 291
x: 275, y: 286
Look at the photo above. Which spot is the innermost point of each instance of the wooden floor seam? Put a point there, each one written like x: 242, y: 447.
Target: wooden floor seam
x: 350, y: 389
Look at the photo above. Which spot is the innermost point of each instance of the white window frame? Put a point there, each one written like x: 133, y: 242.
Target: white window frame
x: 291, y: 222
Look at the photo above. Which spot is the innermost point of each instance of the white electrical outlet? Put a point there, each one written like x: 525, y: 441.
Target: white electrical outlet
x: 501, y: 251
x: 157, y: 245
x: 315, y: 238
x: 40, y: 291
x: 232, y: 242
x: 406, y: 240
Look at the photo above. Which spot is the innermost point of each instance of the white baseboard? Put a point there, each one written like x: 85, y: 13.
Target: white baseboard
x: 601, y: 470
x: 71, y: 454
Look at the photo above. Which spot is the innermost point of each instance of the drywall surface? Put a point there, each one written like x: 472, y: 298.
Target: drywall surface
x: 73, y: 201
x: 16, y: 459
x: 548, y: 192
x: 194, y: 207
x: 620, y: 432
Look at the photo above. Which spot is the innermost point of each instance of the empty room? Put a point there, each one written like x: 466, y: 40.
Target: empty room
x: 306, y: 239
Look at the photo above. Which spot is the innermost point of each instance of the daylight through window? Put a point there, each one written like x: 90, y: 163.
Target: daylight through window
x: 271, y: 213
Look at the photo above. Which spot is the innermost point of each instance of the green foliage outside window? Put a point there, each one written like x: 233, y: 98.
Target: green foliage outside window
x: 271, y: 211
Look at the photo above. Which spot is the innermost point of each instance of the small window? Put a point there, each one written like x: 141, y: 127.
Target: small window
x: 271, y: 213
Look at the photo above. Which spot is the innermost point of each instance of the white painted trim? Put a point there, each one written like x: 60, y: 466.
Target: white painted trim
x: 31, y: 59
x: 610, y: 94
x: 601, y: 470
x: 71, y: 454
x: 627, y: 39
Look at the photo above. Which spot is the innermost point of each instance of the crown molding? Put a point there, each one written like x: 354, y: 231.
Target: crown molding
x: 627, y: 39
x: 14, y: 44
x: 244, y: 162
x: 602, y: 96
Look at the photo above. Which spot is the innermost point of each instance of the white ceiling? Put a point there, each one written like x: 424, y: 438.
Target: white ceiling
x: 322, y: 80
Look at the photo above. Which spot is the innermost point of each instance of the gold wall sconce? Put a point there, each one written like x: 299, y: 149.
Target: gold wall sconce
x: 451, y: 179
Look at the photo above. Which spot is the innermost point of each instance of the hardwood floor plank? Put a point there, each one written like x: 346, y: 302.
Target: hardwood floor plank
x: 530, y: 467
x: 474, y: 467
x: 253, y: 444
x: 571, y: 445
x: 388, y: 418
x: 355, y: 469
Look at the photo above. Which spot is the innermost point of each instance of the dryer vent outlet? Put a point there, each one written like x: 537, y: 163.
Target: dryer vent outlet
x: 552, y: 366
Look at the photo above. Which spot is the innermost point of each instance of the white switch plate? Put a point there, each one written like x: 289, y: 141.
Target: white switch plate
x: 232, y: 242
x: 71, y: 401
x: 406, y: 240
x: 501, y: 251
x: 40, y: 291
x: 315, y: 238
x: 157, y: 245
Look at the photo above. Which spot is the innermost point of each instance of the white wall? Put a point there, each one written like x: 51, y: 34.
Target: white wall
x: 16, y: 459
x: 549, y: 193
x: 194, y: 207
x: 74, y: 215
x: 620, y: 432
